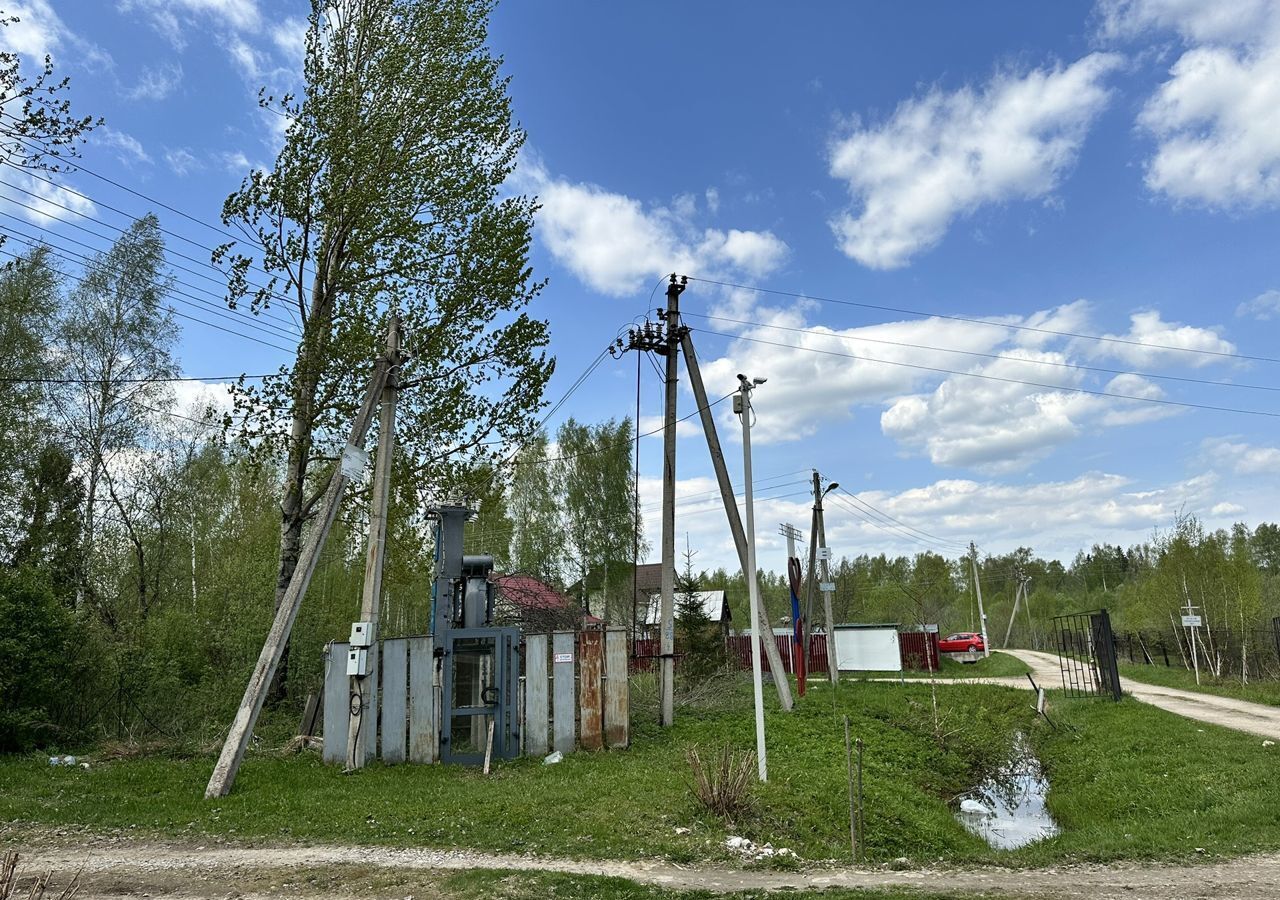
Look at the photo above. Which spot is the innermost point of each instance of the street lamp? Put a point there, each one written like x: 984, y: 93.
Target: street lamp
x: 742, y: 406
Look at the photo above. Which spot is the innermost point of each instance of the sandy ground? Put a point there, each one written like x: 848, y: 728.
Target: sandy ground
x: 115, y: 866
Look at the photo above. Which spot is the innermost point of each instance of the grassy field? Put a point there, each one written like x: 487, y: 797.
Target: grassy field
x: 1177, y: 677
x: 1128, y: 781
x: 997, y: 665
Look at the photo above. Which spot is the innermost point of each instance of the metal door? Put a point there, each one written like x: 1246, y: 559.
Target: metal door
x: 481, y: 674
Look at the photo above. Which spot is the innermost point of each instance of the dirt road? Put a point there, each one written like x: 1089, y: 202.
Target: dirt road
x: 1254, y: 718
x: 114, y: 867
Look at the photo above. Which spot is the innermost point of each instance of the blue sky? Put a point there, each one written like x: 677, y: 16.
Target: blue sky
x: 1088, y: 169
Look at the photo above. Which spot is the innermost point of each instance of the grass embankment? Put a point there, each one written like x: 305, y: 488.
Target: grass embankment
x: 1267, y: 692
x: 1128, y: 781
x: 997, y: 665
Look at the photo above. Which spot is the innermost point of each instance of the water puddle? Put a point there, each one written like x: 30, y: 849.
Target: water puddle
x: 1007, y: 810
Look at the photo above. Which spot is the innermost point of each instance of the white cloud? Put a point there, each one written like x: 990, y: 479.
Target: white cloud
x: 193, y: 398
x: 290, y: 38
x: 175, y: 19
x: 618, y: 245
x: 1149, y: 338
x: 43, y: 204
x: 182, y: 161
x: 1226, y: 509
x: 1264, y: 306
x: 943, y: 155
x: 1216, y: 119
x: 156, y: 82
x: 39, y: 32
x: 1243, y: 458
x: 127, y: 148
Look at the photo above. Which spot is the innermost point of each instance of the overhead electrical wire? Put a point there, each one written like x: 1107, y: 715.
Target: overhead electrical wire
x: 833, y: 335
x: 856, y: 499
x: 1000, y: 378
x: 1111, y: 339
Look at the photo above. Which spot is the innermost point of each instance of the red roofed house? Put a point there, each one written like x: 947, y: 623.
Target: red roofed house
x: 536, y: 606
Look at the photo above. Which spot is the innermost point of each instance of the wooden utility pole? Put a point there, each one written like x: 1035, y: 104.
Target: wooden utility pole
x: 731, y: 512
x: 1017, y: 599
x: 224, y: 773
x: 977, y: 589
x: 833, y: 668
x: 362, y: 724
x: 666, y: 612
x: 799, y: 657
x: 810, y: 573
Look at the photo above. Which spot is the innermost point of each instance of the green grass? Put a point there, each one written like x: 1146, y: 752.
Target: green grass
x: 997, y: 665
x: 1267, y: 692
x: 1128, y: 781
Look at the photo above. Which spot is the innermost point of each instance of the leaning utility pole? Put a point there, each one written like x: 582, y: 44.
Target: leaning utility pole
x: 362, y: 723
x: 742, y: 406
x: 776, y: 668
x: 349, y: 465
x: 977, y: 589
x: 667, y: 636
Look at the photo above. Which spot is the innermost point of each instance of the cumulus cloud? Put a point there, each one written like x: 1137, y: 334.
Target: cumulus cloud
x: 1264, y: 306
x: 619, y: 245
x: 1151, y: 341
x: 1216, y: 119
x: 945, y: 154
x: 1243, y: 458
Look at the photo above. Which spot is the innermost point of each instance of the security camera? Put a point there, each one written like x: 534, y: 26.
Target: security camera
x: 742, y: 377
x: 759, y: 380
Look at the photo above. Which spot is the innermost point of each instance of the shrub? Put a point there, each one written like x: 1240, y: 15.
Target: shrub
x: 724, y: 784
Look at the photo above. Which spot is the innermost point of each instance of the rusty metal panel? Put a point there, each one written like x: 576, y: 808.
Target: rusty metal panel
x: 535, y: 695
x: 424, y: 739
x: 590, y: 667
x: 395, y: 688
x: 564, y: 711
x: 336, y: 704
x: 617, y: 690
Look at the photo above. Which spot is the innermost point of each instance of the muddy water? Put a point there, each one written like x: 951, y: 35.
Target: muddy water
x: 1008, y: 810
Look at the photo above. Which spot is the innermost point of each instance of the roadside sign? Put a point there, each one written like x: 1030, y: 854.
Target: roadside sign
x: 827, y: 587
x: 354, y: 459
x: 564, y: 657
x: 1191, y: 621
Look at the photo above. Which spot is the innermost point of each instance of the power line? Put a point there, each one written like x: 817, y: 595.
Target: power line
x: 938, y: 541
x: 169, y: 307
x: 169, y: 251
x: 173, y: 380
x: 216, y: 306
x: 975, y: 321
x: 997, y: 356
x: 1000, y: 378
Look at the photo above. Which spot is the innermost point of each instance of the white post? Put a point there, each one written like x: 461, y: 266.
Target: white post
x: 977, y: 588
x: 753, y: 585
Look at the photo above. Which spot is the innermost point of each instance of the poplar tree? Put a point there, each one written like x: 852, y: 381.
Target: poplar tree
x: 388, y: 196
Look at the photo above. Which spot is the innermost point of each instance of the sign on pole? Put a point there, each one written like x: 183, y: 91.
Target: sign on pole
x: 1191, y: 621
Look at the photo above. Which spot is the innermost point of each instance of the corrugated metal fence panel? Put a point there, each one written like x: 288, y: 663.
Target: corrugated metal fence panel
x: 424, y: 737
x: 617, y: 692
x: 535, y: 695
x: 564, y: 709
x: 591, y: 669
x: 919, y: 650
x: 395, y: 695
x: 336, y: 709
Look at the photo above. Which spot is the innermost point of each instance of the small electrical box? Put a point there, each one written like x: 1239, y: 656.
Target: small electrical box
x: 361, y: 634
x: 358, y: 661
x: 737, y: 404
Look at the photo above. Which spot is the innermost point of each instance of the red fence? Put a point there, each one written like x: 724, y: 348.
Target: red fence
x: 918, y: 650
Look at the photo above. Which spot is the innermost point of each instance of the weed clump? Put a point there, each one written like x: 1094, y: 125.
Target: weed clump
x: 723, y: 784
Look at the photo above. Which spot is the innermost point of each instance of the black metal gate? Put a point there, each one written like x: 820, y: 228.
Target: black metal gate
x: 1087, y: 655
x: 481, y: 681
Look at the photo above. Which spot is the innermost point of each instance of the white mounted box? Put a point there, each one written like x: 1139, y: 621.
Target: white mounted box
x: 358, y: 661
x: 361, y: 634
x: 862, y: 648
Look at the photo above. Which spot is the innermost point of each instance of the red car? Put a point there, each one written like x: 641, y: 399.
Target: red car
x: 961, y: 642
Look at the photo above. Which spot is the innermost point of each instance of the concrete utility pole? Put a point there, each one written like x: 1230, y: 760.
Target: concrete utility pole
x: 361, y: 692
x: 776, y: 668
x: 667, y: 634
x: 743, y: 409
x: 238, y: 737
x: 977, y: 589
x: 1017, y: 599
